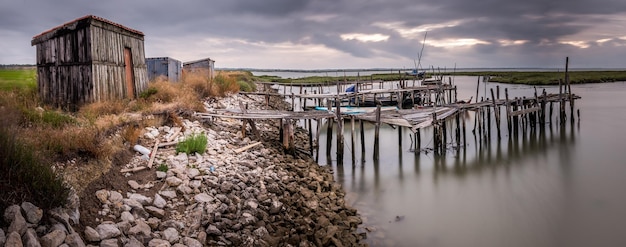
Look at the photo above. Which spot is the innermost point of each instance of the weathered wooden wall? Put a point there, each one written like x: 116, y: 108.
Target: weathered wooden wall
x: 83, y: 62
x: 204, y: 65
x: 109, y: 78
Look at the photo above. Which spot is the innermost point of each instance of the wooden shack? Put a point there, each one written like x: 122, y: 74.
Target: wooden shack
x: 90, y: 59
x: 169, y: 68
x: 200, y: 66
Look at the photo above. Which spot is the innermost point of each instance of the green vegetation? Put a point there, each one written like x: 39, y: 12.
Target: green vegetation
x: 162, y: 168
x: 193, y: 144
x: 18, y: 79
x: 25, y: 176
x: 513, y: 77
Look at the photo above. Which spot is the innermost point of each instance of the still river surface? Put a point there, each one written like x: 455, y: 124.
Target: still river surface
x: 566, y: 187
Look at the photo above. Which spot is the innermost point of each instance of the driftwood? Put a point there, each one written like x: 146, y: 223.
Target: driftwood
x: 153, y: 153
x: 239, y: 150
x: 165, y: 144
x: 173, y: 136
x: 136, y: 169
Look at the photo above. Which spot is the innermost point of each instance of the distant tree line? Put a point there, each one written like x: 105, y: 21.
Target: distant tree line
x: 17, y: 66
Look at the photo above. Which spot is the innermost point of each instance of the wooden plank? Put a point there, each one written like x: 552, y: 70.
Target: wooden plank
x: 244, y: 148
x: 153, y: 153
x: 524, y: 111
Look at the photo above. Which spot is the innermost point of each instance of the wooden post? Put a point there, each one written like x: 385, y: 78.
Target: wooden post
x: 340, y: 141
x: 352, y: 138
x: 377, y: 132
x: 508, y: 110
x: 318, y: 123
x: 496, y: 111
x: 362, y: 140
x: 310, y: 137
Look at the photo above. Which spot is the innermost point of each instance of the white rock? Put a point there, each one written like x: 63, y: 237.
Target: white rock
x: 109, y: 243
x: 127, y: 216
x: 155, y: 242
x: 161, y: 175
x: 190, y: 242
x: 53, y: 239
x: 30, y: 238
x: 140, y: 228
x: 115, y: 197
x: 33, y: 213
x: 107, y: 230
x: 18, y: 223
x: 193, y: 172
x: 132, y: 203
x: 170, y: 194
x: 103, y: 196
x: 173, y: 181
x: 133, y: 184
x: 156, y: 212
x: 159, y: 202
x: 203, y: 197
x: 171, y: 235
x: 13, y: 239
x: 91, y: 234
x: 74, y: 240
x: 3, y: 238
x: 144, y: 200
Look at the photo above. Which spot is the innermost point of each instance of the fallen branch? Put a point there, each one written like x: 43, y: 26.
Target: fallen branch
x: 169, y: 139
x: 165, y: 144
x: 239, y: 150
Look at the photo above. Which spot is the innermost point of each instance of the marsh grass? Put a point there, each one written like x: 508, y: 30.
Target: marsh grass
x: 195, y: 143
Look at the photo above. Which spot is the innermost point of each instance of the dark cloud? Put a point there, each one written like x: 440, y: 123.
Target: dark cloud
x: 542, y: 24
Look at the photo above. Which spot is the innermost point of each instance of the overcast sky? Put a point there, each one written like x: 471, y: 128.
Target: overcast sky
x: 318, y: 34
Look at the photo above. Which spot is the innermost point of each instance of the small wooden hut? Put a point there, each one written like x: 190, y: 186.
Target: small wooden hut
x: 203, y: 65
x: 90, y: 59
x: 167, y: 67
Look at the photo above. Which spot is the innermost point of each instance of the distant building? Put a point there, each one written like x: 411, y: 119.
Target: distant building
x: 167, y: 67
x: 90, y: 59
x: 204, y: 65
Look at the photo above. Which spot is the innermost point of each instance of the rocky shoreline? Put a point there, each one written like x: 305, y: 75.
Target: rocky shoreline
x: 260, y: 196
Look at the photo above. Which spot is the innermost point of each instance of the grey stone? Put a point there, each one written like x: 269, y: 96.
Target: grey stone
x: 74, y: 240
x: 192, y: 173
x: 170, y: 194
x: 109, y: 243
x: 133, y: 242
x: 252, y: 204
x: 161, y: 175
x: 203, y: 197
x: 190, y: 242
x: 134, y: 185
x: 13, y: 239
x: 18, y: 223
x: 156, y: 212
x: 29, y: 239
x: 159, y: 202
x: 261, y: 232
x: 103, y: 196
x: 213, y: 231
x: 3, y: 238
x: 226, y: 187
x: 132, y: 203
x: 124, y: 226
x: 108, y: 230
x: 91, y: 234
x: 127, y: 216
x: 144, y: 200
x: 141, y: 228
x: 33, y: 213
x: 53, y: 239
x: 173, y: 181
x: 115, y: 197
x: 184, y: 189
x: 275, y: 207
x: 171, y: 235
x: 155, y: 242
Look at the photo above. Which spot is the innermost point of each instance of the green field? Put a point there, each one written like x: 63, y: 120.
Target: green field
x: 18, y: 79
x: 513, y: 77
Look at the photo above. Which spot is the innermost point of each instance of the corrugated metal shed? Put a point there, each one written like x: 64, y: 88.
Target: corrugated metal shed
x: 89, y: 59
x: 168, y: 67
x: 204, y: 65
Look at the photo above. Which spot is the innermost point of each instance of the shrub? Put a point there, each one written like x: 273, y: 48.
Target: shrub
x: 225, y: 85
x: 162, y: 168
x: 246, y: 86
x: 195, y: 143
x: 148, y: 92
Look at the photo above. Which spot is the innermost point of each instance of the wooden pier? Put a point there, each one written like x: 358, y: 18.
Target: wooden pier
x: 436, y: 106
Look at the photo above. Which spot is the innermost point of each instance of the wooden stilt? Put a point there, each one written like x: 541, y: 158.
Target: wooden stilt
x: 376, y: 133
x: 352, y: 139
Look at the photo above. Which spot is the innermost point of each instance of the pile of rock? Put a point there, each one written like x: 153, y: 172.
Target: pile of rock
x: 25, y: 228
x: 223, y: 197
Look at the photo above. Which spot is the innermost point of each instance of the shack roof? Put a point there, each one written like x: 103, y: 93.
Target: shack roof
x: 199, y: 61
x: 77, y: 24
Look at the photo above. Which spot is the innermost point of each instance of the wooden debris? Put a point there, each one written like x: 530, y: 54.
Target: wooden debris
x: 173, y: 136
x: 239, y: 150
x: 135, y: 169
x: 153, y: 153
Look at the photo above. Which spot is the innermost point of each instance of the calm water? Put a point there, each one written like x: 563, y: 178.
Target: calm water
x: 564, y: 187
